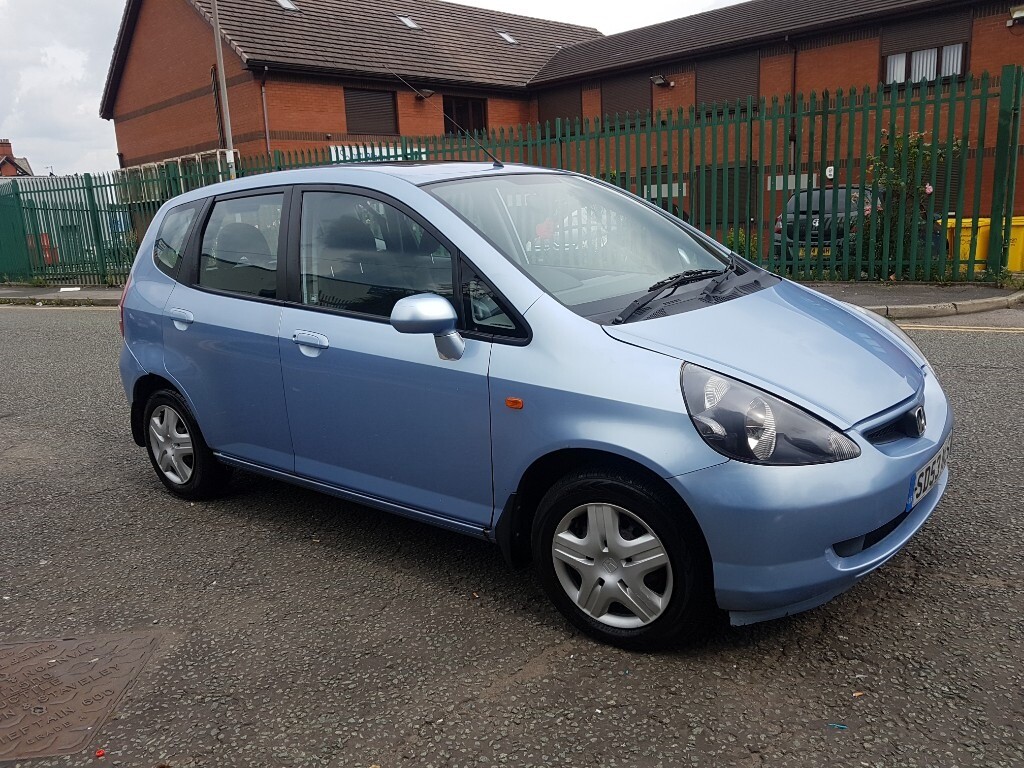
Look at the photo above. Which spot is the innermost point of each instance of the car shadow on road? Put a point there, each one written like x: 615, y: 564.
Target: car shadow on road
x: 465, y: 566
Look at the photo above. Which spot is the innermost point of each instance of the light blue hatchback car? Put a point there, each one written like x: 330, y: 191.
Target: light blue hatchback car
x: 542, y: 360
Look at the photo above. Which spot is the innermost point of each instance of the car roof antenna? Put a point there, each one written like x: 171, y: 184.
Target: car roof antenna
x: 467, y: 134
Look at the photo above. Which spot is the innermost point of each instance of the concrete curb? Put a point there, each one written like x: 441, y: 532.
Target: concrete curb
x: 947, y: 309
x: 37, y: 301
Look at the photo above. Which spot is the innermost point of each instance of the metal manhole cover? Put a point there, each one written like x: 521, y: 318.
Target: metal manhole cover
x: 55, y: 694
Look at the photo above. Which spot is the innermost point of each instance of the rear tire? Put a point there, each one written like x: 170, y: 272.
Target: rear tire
x: 179, y: 454
x: 622, y: 560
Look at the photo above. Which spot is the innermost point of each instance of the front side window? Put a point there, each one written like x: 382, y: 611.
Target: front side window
x: 359, y: 254
x: 485, y: 310
x: 240, y: 246
x: 589, y: 246
x: 170, y: 240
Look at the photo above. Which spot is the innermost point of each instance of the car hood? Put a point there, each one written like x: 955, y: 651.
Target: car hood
x: 792, y: 342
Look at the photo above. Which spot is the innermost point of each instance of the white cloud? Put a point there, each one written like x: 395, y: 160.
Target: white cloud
x: 55, y: 62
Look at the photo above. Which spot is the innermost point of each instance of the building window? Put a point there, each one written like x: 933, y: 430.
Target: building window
x: 371, y: 112
x: 462, y: 114
x: 925, y: 64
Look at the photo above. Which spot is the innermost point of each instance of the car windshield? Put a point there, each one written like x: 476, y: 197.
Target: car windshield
x: 586, y: 244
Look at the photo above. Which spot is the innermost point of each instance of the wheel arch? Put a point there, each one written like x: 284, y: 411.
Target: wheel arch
x: 143, y: 389
x: 512, y: 530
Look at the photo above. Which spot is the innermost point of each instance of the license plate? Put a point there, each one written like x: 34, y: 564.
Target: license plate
x: 814, y: 251
x: 928, y: 475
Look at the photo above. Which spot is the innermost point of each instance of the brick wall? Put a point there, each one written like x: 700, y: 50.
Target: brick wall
x: 592, y: 100
x: 776, y: 75
x: 305, y: 105
x: 420, y: 117
x: 682, y: 94
x: 843, y: 65
x: 994, y: 45
x: 165, y: 104
x: 506, y: 112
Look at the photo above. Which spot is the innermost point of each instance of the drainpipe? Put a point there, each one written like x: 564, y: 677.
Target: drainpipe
x: 792, y: 93
x: 266, y: 117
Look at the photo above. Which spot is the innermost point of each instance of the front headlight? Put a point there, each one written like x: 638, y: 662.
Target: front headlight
x: 889, y: 325
x: 747, y: 424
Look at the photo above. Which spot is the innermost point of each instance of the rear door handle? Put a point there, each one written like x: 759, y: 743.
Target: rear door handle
x: 309, y: 341
x: 182, y: 318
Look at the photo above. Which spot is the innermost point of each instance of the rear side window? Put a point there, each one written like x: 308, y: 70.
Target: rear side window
x: 170, y: 240
x: 240, y: 246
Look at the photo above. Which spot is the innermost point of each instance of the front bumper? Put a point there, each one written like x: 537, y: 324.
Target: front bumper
x: 772, y: 531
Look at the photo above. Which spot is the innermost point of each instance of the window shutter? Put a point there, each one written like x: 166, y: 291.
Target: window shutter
x: 370, y: 111
x: 565, y: 102
x: 926, y: 32
x: 625, y: 95
x: 727, y: 79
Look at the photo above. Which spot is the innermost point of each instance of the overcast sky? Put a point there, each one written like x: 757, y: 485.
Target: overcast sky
x: 55, y: 55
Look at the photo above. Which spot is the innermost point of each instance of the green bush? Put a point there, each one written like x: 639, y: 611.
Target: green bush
x: 900, y: 161
x: 736, y: 240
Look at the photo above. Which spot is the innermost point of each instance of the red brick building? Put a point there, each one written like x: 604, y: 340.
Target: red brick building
x: 11, y: 165
x: 318, y: 72
x: 305, y: 73
x: 769, y: 48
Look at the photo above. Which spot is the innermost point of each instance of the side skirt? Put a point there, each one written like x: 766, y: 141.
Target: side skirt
x: 360, y: 498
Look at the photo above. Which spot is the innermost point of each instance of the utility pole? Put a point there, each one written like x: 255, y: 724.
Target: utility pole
x: 223, y: 92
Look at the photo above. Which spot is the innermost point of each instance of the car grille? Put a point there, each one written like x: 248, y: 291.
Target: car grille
x: 902, y: 426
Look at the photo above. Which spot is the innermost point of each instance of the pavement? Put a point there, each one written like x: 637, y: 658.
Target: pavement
x: 293, y: 629
x: 895, y: 300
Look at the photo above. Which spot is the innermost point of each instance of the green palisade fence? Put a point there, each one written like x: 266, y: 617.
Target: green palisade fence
x: 924, y: 174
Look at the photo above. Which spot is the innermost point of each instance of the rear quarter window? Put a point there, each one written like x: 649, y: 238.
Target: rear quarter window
x: 172, y: 236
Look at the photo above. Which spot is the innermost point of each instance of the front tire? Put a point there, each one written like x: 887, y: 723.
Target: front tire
x: 179, y: 454
x: 621, y: 560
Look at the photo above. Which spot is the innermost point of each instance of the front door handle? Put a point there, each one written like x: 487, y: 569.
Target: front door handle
x: 310, y: 343
x: 182, y: 318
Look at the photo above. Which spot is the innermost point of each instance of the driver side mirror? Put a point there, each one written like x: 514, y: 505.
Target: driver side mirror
x: 429, y: 313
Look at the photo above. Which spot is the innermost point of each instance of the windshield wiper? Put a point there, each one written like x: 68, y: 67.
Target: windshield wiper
x: 673, y: 282
x: 712, y: 287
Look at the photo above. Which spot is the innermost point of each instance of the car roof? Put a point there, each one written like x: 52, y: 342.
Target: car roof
x: 416, y: 173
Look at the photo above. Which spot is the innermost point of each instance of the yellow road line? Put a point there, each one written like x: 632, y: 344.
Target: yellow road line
x: 961, y: 328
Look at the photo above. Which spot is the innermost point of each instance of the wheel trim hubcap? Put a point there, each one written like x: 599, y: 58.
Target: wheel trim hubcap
x: 612, y: 565
x: 171, y: 444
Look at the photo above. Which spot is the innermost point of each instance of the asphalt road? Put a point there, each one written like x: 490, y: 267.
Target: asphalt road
x: 297, y: 630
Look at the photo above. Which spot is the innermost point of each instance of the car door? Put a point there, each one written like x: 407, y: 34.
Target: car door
x: 373, y: 411
x: 221, y: 328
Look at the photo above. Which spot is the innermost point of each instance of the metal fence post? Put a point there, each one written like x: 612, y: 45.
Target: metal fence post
x: 1005, y: 161
x: 18, y: 247
x: 97, y: 228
